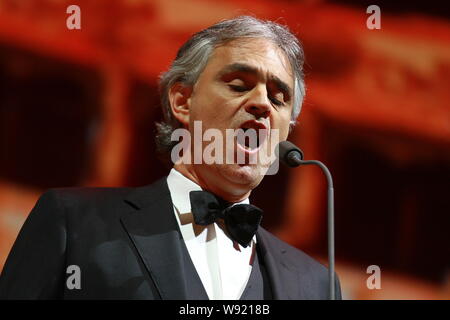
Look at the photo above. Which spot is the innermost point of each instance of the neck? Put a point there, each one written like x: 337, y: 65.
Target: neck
x: 229, y: 194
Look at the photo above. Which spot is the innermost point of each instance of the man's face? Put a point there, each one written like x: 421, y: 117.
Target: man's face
x: 246, y: 84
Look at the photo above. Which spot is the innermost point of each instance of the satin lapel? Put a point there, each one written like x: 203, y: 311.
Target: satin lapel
x: 154, y: 231
x: 284, y: 279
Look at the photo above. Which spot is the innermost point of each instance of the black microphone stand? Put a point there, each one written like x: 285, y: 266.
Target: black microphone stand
x: 330, y: 215
x: 293, y: 156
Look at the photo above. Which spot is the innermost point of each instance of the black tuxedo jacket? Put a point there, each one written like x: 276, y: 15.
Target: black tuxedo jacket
x: 127, y: 245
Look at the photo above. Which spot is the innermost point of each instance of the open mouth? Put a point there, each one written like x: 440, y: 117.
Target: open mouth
x: 251, y: 136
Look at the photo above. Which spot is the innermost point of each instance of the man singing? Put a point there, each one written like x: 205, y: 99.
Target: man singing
x: 193, y: 234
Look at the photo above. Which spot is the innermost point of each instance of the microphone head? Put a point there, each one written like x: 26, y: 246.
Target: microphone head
x: 289, y: 153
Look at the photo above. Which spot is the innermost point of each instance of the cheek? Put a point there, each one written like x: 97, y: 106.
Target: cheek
x: 282, y: 124
x: 213, y: 108
x: 284, y: 134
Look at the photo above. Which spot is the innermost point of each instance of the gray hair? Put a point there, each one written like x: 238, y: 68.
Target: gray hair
x: 193, y: 56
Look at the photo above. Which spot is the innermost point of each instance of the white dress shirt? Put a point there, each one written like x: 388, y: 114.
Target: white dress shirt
x: 223, y: 266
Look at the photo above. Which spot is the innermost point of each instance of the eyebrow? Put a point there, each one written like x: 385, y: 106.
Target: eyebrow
x: 242, y: 67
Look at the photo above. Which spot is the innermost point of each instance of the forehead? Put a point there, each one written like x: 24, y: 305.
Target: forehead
x: 261, y: 54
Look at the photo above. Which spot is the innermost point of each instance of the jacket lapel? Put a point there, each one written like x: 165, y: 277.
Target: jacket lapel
x: 284, y: 276
x: 154, y: 232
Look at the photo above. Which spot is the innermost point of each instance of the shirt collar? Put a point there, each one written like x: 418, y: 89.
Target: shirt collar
x: 180, y: 186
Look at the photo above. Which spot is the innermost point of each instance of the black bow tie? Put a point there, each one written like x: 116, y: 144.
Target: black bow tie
x: 241, y: 220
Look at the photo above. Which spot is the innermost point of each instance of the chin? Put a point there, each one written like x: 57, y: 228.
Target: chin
x: 246, y: 176
x: 231, y: 181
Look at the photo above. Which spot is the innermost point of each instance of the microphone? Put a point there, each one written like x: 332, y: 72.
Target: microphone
x: 289, y: 154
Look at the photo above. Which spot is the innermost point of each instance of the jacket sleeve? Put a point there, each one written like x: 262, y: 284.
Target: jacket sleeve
x: 35, y: 266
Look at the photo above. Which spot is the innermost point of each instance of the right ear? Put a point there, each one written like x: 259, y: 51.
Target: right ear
x: 180, y: 102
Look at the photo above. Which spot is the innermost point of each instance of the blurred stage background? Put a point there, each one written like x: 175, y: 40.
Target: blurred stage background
x: 77, y: 108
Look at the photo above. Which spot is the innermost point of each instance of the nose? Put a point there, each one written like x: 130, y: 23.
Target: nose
x: 258, y: 104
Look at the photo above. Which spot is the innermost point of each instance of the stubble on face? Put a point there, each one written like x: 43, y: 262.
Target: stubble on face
x: 218, y: 106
